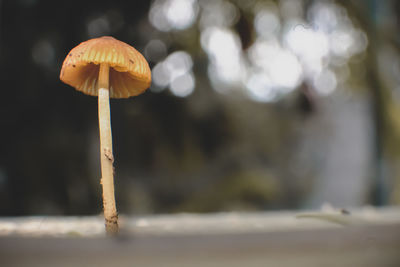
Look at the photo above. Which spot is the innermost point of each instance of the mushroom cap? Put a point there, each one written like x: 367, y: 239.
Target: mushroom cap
x: 130, y: 74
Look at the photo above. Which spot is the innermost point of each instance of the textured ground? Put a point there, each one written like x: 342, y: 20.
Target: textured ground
x: 365, y: 237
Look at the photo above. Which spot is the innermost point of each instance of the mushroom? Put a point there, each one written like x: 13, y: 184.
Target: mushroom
x: 106, y: 67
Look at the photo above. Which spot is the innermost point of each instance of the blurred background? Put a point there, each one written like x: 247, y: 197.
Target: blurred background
x: 255, y: 105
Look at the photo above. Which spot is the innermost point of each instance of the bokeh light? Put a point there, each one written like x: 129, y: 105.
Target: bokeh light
x: 270, y: 67
x: 43, y: 53
x: 310, y: 46
x: 325, y: 82
x: 183, y: 85
x: 279, y: 64
x: 98, y: 27
x: 218, y: 13
x: 224, y: 52
x: 168, y: 15
x: 176, y: 72
x: 155, y: 50
x: 266, y: 23
x: 260, y: 87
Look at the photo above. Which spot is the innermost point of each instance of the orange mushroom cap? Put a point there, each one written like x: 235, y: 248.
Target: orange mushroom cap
x: 130, y: 74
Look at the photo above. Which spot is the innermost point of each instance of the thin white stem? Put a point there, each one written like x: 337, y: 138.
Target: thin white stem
x: 106, y: 152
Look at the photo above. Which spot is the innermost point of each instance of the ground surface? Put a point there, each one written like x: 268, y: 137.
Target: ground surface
x: 366, y: 237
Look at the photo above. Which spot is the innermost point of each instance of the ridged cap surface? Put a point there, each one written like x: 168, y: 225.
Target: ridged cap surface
x: 130, y: 74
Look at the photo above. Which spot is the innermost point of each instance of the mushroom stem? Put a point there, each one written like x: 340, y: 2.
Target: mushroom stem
x: 106, y: 154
